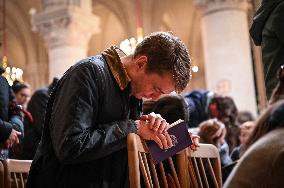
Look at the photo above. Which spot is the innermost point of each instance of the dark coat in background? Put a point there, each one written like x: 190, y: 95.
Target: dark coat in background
x: 10, y: 116
x: 197, y: 102
x: 37, y: 107
x: 267, y: 30
x: 89, y: 115
x: 5, y: 97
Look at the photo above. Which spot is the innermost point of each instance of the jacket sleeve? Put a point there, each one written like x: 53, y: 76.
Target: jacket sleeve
x: 17, y: 124
x: 5, y: 130
x: 76, y: 135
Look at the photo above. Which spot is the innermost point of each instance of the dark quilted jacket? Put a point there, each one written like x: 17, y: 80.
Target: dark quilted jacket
x: 87, y: 122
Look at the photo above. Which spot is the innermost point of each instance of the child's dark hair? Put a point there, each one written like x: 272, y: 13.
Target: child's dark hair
x: 224, y: 109
x: 18, y: 86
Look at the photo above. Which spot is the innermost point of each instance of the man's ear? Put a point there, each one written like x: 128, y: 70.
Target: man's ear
x: 141, y: 61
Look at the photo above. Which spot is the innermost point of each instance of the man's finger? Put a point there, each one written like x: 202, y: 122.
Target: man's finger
x: 144, y: 117
x: 158, y: 116
x: 163, y: 126
x: 158, y: 141
x: 151, y: 121
x: 164, y: 141
x: 169, y: 140
x: 157, y: 124
x: 168, y: 126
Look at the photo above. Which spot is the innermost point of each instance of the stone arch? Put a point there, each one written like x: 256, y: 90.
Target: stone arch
x: 112, y: 31
x: 22, y: 38
x: 189, y: 30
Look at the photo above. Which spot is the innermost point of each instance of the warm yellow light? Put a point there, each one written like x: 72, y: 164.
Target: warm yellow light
x: 11, y: 74
x: 129, y: 45
x: 8, y: 70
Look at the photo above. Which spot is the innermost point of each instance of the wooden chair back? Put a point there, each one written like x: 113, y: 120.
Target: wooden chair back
x: 165, y: 174
x: 1, y: 174
x: 16, y: 172
x: 204, y: 167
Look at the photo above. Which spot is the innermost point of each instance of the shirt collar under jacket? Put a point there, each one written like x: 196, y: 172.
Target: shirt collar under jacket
x: 117, y: 68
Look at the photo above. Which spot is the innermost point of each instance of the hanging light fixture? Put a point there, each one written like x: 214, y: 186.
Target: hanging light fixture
x: 129, y: 45
x: 11, y: 73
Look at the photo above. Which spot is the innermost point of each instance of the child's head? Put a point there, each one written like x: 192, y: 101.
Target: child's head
x: 213, y: 132
x: 224, y: 109
x: 245, y: 131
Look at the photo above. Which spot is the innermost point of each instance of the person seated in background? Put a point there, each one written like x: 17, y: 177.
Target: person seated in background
x: 200, y: 105
x: 245, y: 132
x: 277, y: 95
x: 197, y: 103
x: 204, y: 104
x: 263, y: 161
x: 244, y: 116
x: 11, y: 126
x: 213, y: 131
x: 33, y: 129
x: 22, y: 92
x: 225, y: 110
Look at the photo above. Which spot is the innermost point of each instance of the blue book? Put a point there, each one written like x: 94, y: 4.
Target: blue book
x: 180, y: 138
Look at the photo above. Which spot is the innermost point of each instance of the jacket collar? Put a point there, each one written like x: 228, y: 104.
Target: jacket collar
x: 112, y: 56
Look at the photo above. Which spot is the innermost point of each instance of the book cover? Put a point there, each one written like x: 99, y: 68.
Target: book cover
x: 180, y: 138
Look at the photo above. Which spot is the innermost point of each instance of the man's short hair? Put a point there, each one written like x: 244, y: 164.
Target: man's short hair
x: 166, y: 53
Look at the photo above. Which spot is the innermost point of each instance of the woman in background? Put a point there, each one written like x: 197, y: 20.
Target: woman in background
x: 263, y: 162
x: 22, y: 92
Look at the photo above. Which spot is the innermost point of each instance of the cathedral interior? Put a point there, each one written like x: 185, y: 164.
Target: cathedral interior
x: 114, y: 117
x: 44, y: 38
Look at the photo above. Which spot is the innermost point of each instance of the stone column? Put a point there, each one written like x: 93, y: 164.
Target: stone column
x: 228, y: 61
x: 66, y: 26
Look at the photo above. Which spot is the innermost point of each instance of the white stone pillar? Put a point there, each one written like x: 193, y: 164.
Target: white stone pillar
x: 66, y: 26
x: 228, y: 61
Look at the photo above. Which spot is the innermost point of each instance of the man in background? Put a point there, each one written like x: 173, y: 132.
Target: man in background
x: 267, y: 31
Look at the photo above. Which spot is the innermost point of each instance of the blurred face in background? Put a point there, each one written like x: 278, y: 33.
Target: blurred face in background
x: 245, y: 131
x: 219, y: 137
x: 23, y: 96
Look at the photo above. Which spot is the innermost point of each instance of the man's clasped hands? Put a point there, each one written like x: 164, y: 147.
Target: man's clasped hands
x: 154, y: 127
